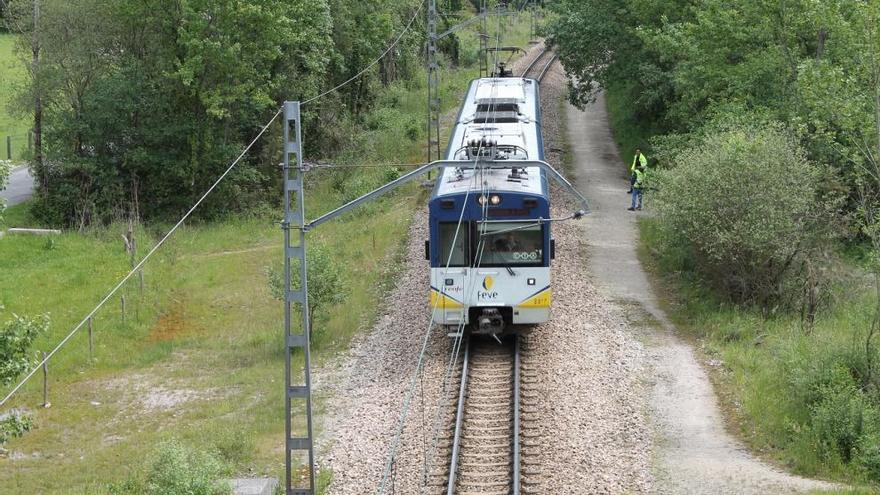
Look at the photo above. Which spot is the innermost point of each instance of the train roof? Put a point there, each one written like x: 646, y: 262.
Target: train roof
x: 504, y: 111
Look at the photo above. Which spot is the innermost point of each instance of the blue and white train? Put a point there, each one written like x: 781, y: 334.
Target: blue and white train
x: 490, y: 243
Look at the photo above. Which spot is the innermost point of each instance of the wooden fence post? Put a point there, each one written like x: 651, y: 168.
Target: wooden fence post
x: 90, y: 340
x: 46, y: 402
x: 123, y: 309
x: 9, y: 147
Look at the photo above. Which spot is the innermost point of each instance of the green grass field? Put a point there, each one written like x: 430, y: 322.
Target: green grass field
x: 12, y: 76
x: 200, y: 356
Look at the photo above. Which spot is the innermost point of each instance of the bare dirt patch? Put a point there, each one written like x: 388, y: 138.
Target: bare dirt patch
x: 170, y: 325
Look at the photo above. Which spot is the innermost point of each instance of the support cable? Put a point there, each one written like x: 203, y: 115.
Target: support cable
x: 420, y: 362
x: 196, y: 205
x: 142, y: 262
x: 395, y: 444
x: 470, y: 283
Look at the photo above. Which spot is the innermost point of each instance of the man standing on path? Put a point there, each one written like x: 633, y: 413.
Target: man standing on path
x: 638, y: 186
x: 638, y: 160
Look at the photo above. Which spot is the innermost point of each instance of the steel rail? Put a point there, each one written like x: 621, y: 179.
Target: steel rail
x: 547, y: 67
x: 535, y: 62
x: 459, y: 419
x: 516, y: 384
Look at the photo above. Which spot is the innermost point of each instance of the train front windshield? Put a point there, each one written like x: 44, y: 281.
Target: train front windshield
x: 510, y: 244
x: 491, y: 244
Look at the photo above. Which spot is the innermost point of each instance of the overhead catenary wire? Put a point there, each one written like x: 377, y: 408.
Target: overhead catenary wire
x: 143, y: 261
x: 389, y: 466
x: 196, y: 205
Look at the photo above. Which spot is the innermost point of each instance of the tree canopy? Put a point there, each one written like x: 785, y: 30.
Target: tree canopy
x: 145, y: 102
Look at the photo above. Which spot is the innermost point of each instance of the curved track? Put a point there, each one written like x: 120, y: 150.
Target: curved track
x: 539, y: 67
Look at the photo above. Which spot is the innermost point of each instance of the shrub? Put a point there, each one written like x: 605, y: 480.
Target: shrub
x: 178, y: 470
x: 746, y: 204
x: 16, y: 337
x: 844, y: 424
x: 327, y: 286
x: 14, y: 424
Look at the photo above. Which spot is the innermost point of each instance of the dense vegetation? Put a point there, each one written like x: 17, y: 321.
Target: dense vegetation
x: 206, y: 323
x: 144, y: 103
x: 763, y: 119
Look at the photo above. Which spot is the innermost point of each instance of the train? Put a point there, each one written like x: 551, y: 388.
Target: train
x: 490, y: 245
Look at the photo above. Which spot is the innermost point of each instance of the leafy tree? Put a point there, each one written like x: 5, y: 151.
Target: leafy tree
x: 16, y: 337
x: 145, y: 102
x: 746, y: 202
x: 327, y: 287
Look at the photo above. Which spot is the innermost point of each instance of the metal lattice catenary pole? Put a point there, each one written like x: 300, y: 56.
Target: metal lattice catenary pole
x: 294, y: 226
x: 433, y: 85
x: 484, y: 40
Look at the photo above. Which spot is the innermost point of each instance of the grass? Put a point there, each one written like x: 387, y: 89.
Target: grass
x: 779, y: 383
x: 772, y: 373
x: 16, y: 216
x: 12, y: 76
x: 199, y: 356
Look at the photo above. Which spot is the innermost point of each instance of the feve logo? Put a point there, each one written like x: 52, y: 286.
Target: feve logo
x: 488, y: 282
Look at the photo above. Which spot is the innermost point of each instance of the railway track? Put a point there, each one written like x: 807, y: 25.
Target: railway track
x: 482, y: 453
x: 539, y: 67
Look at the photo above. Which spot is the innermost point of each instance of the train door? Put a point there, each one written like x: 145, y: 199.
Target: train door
x: 451, y: 274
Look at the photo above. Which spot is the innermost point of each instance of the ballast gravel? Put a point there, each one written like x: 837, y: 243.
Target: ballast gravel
x: 591, y: 436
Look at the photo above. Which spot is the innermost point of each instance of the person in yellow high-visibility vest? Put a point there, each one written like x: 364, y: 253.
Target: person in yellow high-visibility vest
x: 638, y: 159
x: 640, y: 174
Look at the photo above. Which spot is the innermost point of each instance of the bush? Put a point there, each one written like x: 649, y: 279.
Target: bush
x: 16, y: 337
x: 14, y: 424
x: 746, y: 204
x: 842, y: 420
x: 327, y: 286
x: 178, y: 470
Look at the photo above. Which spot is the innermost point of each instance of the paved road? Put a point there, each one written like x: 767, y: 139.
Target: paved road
x: 20, y: 187
x: 694, y: 452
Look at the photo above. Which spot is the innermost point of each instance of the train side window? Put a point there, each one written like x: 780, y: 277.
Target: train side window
x: 458, y: 251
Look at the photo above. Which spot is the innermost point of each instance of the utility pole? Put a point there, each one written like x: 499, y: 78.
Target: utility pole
x: 484, y: 40
x: 433, y: 85
x: 298, y: 387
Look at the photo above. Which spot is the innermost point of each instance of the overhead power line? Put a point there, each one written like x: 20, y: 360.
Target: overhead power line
x: 142, y: 262
x: 171, y: 232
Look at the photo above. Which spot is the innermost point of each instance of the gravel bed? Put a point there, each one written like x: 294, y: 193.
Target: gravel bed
x: 584, y: 430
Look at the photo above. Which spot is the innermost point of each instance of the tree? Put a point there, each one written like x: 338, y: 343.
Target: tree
x: 145, y: 102
x: 327, y: 286
x: 16, y: 337
x: 746, y: 202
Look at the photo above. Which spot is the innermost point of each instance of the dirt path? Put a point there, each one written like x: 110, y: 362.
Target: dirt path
x: 694, y: 454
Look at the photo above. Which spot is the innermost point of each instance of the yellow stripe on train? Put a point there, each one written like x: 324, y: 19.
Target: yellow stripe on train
x: 442, y: 301
x: 539, y: 300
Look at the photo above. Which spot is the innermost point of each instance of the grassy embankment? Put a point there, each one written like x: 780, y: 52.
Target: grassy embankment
x: 199, y: 357
x: 12, y: 74
x: 768, y: 371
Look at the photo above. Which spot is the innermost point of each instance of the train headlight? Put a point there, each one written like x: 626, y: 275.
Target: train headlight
x: 493, y: 200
